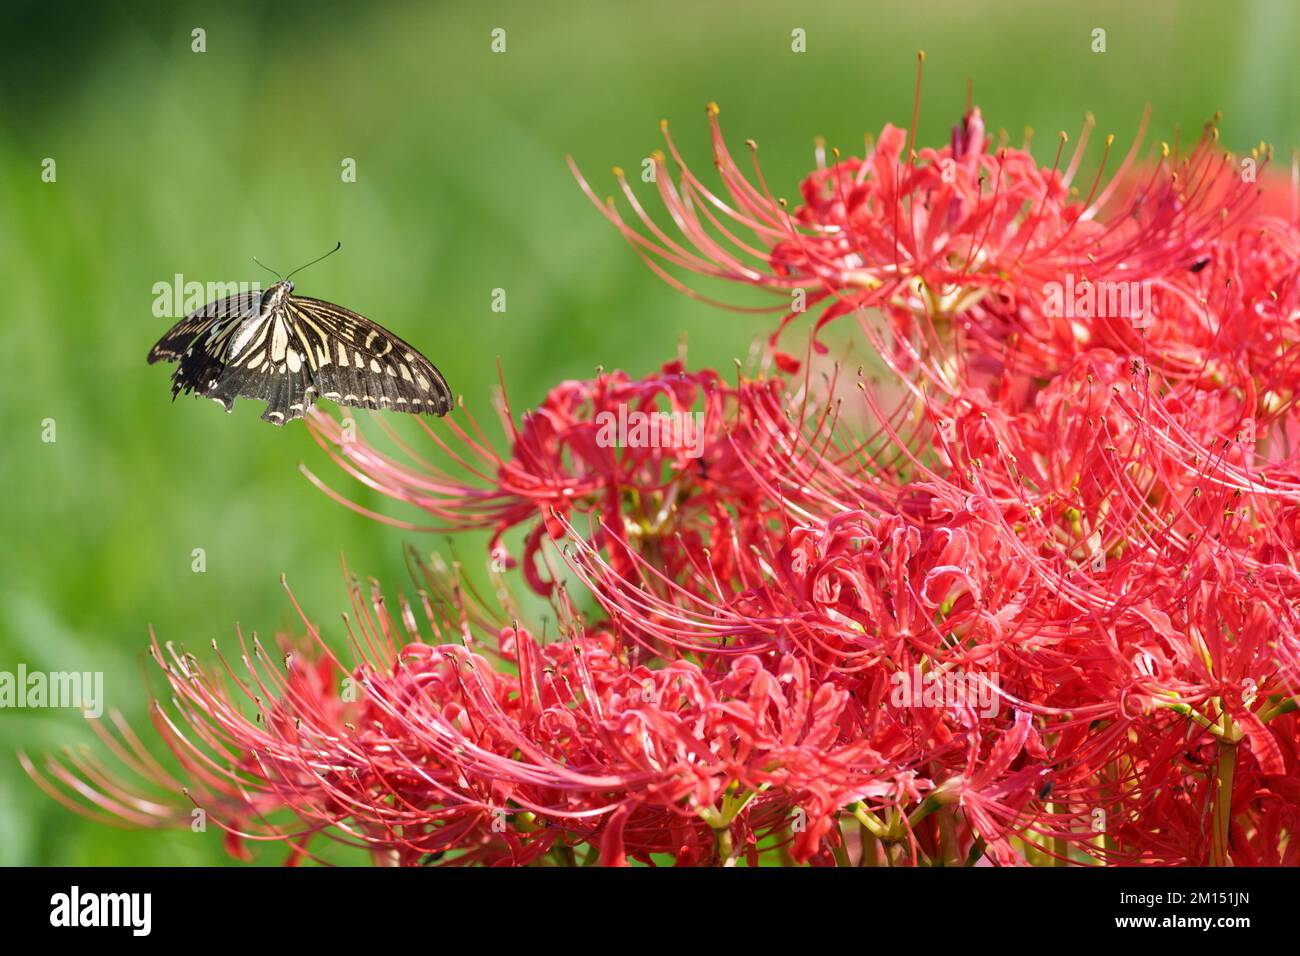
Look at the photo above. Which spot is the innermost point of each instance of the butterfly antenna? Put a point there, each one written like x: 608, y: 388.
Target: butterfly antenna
x: 266, y: 267
x: 314, y: 261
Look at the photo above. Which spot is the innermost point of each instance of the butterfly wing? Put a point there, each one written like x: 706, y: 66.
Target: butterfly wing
x: 260, y: 358
x: 356, y: 362
x: 171, y: 347
x: 233, y: 348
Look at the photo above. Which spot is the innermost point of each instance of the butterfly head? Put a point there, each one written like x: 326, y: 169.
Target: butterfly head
x: 276, y: 294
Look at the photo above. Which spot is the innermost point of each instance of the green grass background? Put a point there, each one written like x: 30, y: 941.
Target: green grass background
x: 171, y: 161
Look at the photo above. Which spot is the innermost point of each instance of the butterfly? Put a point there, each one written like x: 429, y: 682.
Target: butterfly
x: 289, y: 350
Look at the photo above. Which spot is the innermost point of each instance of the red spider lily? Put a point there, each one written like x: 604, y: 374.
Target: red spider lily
x: 443, y: 756
x: 928, y: 235
x: 698, y: 490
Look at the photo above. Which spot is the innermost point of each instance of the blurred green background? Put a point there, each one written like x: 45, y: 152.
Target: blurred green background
x: 170, y: 161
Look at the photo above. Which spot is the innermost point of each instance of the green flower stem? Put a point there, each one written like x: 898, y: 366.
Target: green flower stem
x: 1224, y: 770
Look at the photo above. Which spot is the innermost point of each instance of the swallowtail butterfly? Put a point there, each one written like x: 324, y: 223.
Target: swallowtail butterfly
x: 290, y: 350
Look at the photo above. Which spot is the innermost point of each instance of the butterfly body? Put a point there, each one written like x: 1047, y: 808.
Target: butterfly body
x: 290, y: 350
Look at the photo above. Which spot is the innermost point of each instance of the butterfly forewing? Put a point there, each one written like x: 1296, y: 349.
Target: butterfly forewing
x: 288, y: 351
x: 209, y: 319
x: 356, y: 362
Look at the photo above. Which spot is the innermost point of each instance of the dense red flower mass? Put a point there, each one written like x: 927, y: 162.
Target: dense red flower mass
x: 1023, y: 591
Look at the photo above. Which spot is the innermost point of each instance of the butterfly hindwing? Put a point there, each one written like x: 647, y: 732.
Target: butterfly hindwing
x: 263, y: 360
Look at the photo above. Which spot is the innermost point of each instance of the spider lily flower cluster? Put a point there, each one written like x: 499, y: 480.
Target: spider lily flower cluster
x: 1030, y: 601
